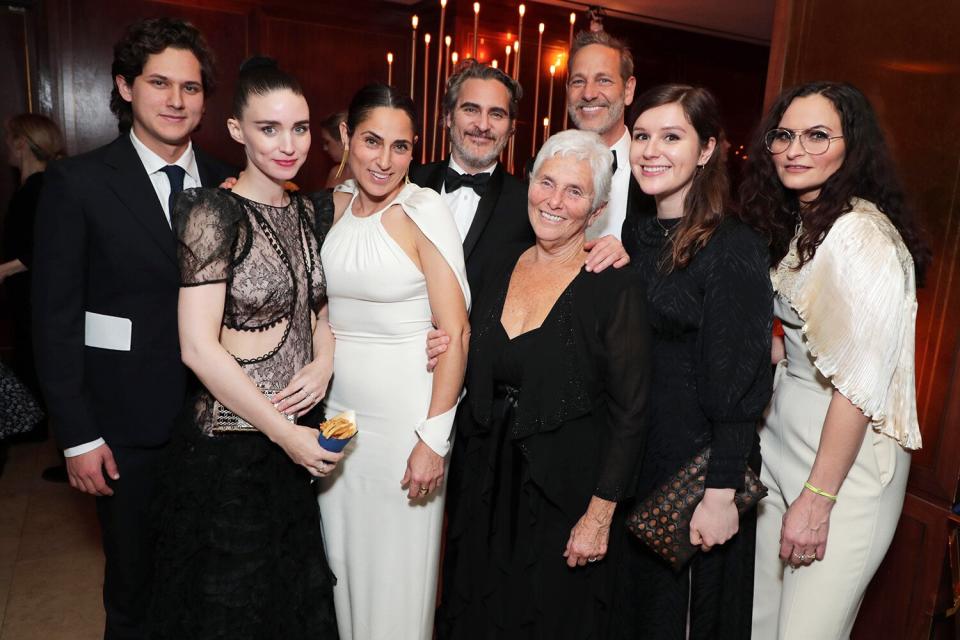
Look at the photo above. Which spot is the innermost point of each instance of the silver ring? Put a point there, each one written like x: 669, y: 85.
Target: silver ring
x: 802, y: 557
x: 592, y: 559
x: 423, y: 491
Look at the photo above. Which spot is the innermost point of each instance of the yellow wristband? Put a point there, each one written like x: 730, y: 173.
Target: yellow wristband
x: 819, y: 492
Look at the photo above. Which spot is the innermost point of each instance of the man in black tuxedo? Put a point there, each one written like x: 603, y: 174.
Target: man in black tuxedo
x: 106, y: 281
x: 488, y: 204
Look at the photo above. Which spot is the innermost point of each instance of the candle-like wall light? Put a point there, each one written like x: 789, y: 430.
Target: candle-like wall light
x: 553, y: 70
x: 413, y: 53
x: 495, y: 64
x: 389, y: 68
x: 476, y: 26
x: 516, y: 60
x: 436, y: 90
x: 426, y: 84
x: 573, y: 19
x: 446, y: 76
x: 536, y: 91
x: 546, y: 129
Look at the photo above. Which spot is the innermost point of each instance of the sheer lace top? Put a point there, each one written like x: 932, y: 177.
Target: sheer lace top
x: 269, y: 258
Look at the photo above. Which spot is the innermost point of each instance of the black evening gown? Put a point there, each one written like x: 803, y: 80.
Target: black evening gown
x: 712, y: 379
x: 18, y: 245
x: 552, y: 417
x: 240, y: 552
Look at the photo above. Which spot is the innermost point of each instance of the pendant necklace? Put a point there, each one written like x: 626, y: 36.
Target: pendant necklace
x: 666, y: 230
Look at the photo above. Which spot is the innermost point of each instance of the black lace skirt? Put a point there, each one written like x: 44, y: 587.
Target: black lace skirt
x: 240, y: 551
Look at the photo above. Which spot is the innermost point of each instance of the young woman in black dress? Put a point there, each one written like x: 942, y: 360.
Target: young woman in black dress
x: 240, y: 553
x: 710, y: 297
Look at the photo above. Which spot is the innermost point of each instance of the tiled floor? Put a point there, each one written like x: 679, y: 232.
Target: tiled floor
x: 51, y: 565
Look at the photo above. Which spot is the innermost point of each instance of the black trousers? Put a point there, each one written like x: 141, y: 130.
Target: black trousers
x: 129, y: 539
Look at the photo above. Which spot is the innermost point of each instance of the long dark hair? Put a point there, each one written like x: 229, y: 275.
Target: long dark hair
x: 867, y: 172
x: 709, y: 195
x: 260, y: 75
x: 378, y: 94
x: 148, y: 37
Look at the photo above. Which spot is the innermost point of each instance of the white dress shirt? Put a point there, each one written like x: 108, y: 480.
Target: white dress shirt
x: 464, y: 201
x: 610, y: 222
x: 153, y: 164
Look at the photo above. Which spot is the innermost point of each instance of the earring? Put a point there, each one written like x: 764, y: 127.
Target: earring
x: 343, y: 162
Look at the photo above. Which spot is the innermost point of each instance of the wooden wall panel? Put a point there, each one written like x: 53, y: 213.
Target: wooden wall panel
x: 87, y: 30
x: 903, y: 56
x: 337, y: 64
x: 15, y: 98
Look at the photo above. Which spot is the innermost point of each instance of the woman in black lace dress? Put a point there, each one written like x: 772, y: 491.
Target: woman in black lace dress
x: 240, y: 553
x: 551, y: 431
x: 711, y: 310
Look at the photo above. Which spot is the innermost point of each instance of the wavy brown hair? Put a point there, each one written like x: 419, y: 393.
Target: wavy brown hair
x: 148, y: 37
x: 867, y: 172
x: 709, y: 196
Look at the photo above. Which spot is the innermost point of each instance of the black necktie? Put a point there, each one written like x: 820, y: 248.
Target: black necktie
x: 454, y: 180
x: 614, y: 152
x: 175, y: 176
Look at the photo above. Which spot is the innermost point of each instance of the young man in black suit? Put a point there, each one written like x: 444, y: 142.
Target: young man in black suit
x: 488, y: 204
x: 106, y: 282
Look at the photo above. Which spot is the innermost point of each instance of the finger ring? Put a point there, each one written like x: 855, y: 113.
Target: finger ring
x: 592, y: 559
x: 322, y: 466
x: 423, y: 490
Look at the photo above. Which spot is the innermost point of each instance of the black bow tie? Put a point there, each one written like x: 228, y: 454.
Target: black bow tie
x: 454, y: 180
x: 614, y: 152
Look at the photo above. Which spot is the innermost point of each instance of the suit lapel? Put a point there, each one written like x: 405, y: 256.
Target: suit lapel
x: 433, y: 176
x: 488, y: 203
x: 132, y: 185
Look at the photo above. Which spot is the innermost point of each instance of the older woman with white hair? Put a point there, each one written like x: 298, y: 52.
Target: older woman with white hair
x: 551, y: 431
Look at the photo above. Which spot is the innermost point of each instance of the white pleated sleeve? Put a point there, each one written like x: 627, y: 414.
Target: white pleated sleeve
x: 857, y: 298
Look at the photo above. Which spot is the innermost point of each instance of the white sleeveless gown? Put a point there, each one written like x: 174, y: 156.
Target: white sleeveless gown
x: 383, y: 548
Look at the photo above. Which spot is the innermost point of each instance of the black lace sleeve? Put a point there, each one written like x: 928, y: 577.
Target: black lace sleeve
x: 323, y: 213
x: 625, y: 377
x: 209, y: 232
x: 734, y: 379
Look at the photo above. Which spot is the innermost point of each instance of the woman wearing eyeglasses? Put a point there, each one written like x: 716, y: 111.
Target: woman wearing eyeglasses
x: 836, y: 440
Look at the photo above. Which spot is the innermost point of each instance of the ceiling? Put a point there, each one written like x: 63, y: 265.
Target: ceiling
x: 750, y: 20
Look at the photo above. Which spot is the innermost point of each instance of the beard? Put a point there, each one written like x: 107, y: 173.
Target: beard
x: 465, y: 151
x: 614, y: 117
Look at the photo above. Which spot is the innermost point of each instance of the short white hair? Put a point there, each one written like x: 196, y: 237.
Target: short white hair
x: 582, y: 145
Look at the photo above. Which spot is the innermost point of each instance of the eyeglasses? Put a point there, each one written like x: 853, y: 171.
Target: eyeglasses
x: 813, y: 141
x: 571, y: 195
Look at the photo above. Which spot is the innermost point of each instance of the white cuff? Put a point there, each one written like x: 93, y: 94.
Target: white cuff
x: 80, y: 449
x: 436, y: 431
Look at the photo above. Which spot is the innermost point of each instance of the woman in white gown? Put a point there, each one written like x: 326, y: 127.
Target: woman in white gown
x: 394, y: 266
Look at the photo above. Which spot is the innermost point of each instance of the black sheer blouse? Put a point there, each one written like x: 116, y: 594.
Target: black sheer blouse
x: 579, y: 420
x: 712, y: 324
x: 269, y: 258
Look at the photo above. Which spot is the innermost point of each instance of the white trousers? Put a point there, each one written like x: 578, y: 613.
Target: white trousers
x: 820, y: 601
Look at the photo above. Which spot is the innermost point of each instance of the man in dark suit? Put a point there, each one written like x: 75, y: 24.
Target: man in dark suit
x: 488, y: 204
x: 105, y: 286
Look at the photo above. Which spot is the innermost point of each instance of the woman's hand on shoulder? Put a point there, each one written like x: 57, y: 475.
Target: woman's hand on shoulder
x: 301, y: 445
x: 424, y: 473
x: 605, y: 252
x: 715, y: 520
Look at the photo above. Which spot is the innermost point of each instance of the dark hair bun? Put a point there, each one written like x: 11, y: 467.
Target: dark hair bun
x: 256, y: 63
